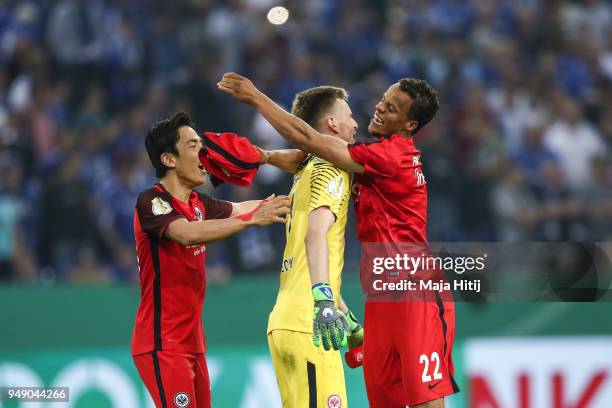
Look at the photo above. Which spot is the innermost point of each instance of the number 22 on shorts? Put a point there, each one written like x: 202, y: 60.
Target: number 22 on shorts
x: 435, y: 358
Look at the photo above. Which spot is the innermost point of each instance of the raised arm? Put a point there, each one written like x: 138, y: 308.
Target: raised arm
x: 297, y: 132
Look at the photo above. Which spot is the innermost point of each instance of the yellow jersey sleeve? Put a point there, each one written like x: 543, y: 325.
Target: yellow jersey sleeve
x: 329, y: 187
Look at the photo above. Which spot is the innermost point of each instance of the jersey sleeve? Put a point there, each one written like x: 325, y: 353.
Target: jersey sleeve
x: 329, y: 187
x: 155, y: 212
x: 214, y: 208
x: 376, y: 156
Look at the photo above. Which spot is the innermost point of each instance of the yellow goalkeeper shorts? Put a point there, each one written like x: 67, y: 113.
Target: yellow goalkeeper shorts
x: 307, y: 376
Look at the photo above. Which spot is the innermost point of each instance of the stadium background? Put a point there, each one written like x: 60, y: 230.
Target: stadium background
x: 520, y: 151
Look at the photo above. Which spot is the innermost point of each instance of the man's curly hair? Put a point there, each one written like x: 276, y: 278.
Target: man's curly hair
x: 425, y: 102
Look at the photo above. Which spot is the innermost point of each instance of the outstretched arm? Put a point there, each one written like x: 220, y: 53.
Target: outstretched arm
x: 245, y: 206
x: 198, y: 232
x: 287, y: 159
x: 297, y: 132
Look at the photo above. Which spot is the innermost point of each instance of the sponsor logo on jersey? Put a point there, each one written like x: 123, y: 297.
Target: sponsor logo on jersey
x: 336, y: 186
x: 200, y: 250
x: 181, y: 400
x: 334, y: 401
x: 160, y: 207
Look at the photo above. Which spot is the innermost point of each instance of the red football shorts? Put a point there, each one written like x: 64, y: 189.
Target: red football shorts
x: 175, y: 379
x: 407, y: 352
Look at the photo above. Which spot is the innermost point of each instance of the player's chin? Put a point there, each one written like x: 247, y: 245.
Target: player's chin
x: 374, y: 129
x: 198, y: 178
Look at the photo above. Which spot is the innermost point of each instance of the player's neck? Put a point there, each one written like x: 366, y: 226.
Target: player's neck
x: 176, y: 189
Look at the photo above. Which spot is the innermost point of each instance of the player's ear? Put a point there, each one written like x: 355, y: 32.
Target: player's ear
x: 332, y: 124
x: 168, y: 160
x: 410, y: 126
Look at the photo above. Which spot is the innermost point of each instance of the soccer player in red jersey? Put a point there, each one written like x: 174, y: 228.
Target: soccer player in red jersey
x: 407, y: 344
x: 172, y: 224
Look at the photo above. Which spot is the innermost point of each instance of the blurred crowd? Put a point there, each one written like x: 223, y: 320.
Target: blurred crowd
x: 519, y: 151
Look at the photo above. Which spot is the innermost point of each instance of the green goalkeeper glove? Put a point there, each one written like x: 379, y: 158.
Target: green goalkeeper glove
x: 355, y: 338
x: 330, y: 326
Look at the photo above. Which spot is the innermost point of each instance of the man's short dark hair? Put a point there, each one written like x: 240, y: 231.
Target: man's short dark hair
x: 425, y: 102
x: 311, y: 104
x: 162, y: 138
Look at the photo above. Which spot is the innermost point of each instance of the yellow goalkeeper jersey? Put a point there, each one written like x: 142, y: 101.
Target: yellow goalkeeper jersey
x: 317, y: 183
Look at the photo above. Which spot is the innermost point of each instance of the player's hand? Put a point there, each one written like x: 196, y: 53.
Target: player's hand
x: 330, y: 326
x: 355, y: 338
x: 239, y: 87
x: 271, y: 210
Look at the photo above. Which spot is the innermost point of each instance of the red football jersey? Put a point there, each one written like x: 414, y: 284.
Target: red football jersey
x: 390, y: 196
x: 172, y: 276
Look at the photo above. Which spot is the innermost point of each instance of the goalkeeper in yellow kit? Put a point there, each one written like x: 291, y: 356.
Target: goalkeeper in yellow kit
x: 307, y: 314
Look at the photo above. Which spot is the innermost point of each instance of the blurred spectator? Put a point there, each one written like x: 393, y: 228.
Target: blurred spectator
x: 76, y: 34
x: 515, y: 207
x: 605, y: 124
x: 167, y: 56
x: 301, y: 76
x: 561, y: 213
x: 594, y: 16
x: 532, y: 156
x: 114, y: 200
x: 16, y: 259
x: 92, y: 113
x: 444, y: 180
x: 516, y: 111
x: 87, y: 269
x: 605, y: 56
x: 76, y: 31
x: 481, y: 155
x: 598, y: 197
x: 574, y: 141
x: 211, y: 110
x: 68, y: 222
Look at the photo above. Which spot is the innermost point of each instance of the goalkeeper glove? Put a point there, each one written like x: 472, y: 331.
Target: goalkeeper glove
x: 354, y: 356
x: 330, y: 326
x: 355, y: 337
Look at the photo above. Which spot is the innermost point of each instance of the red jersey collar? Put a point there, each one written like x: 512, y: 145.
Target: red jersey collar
x: 192, y: 196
